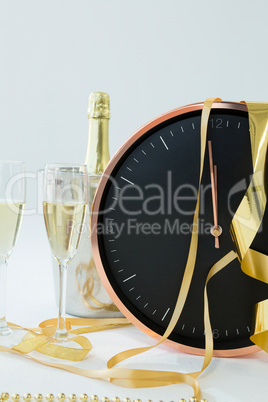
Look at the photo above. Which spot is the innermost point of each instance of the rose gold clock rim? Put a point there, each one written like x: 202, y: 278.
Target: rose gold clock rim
x: 94, y: 218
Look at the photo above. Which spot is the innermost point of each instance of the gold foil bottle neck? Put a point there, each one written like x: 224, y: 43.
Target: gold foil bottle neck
x: 99, y: 105
x: 98, y: 154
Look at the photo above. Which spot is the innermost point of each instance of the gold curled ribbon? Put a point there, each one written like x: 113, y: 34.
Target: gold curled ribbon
x: 249, y: 215
x: 87, y: 289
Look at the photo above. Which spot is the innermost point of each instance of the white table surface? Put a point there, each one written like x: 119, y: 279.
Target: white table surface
x: 30, y: 300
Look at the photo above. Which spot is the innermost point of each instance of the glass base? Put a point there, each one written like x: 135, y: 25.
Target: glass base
x: 62, y: 336
x: 11, y: 337
x: 5, y: 331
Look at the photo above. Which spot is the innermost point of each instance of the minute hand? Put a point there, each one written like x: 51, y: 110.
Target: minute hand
x: 216, y: 230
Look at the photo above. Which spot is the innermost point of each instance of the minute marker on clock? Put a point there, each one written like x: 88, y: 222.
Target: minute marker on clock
x: 128, y: 181
x: 164, y: 316
x: 164, y: 143
x: 127, y: 279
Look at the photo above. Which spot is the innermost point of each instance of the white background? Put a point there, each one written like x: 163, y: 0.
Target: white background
x: 150, y: 56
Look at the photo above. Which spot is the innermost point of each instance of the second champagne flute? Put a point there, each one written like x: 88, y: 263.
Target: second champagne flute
x: 12, y: 202
x: 64, y: 205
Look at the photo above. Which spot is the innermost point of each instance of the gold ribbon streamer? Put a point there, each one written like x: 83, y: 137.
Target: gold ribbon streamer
x: 248, y: 217
x: 48, y: 327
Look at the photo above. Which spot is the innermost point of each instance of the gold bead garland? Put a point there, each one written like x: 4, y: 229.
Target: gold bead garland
x: 83, y: 398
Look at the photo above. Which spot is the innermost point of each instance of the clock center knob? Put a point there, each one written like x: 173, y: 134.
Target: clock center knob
x: 216, y: 231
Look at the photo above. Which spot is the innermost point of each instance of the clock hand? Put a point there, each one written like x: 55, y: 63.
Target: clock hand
x: 217, y: 244
x: 216, y: 230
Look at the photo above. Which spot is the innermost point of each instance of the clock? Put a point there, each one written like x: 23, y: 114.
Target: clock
x: 142, y: 222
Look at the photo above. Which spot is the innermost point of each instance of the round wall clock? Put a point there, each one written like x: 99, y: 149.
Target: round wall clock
x: 141, y: 227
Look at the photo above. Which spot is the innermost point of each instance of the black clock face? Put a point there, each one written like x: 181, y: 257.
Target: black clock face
x: 148, y: 207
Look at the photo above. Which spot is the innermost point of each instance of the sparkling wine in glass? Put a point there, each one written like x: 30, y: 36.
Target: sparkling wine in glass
x: 64, y: 206
x: 12, y: 202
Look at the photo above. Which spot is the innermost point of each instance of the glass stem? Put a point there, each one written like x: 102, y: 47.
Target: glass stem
x: 4, y: 330
x: 61, y: 332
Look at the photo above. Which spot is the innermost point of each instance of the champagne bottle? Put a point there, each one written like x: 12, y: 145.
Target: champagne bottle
x: 98, y: 155
x: 86, y: 295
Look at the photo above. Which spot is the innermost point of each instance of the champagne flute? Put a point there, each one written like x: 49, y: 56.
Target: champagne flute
x: 12, y: 202
x: 64, y: 205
